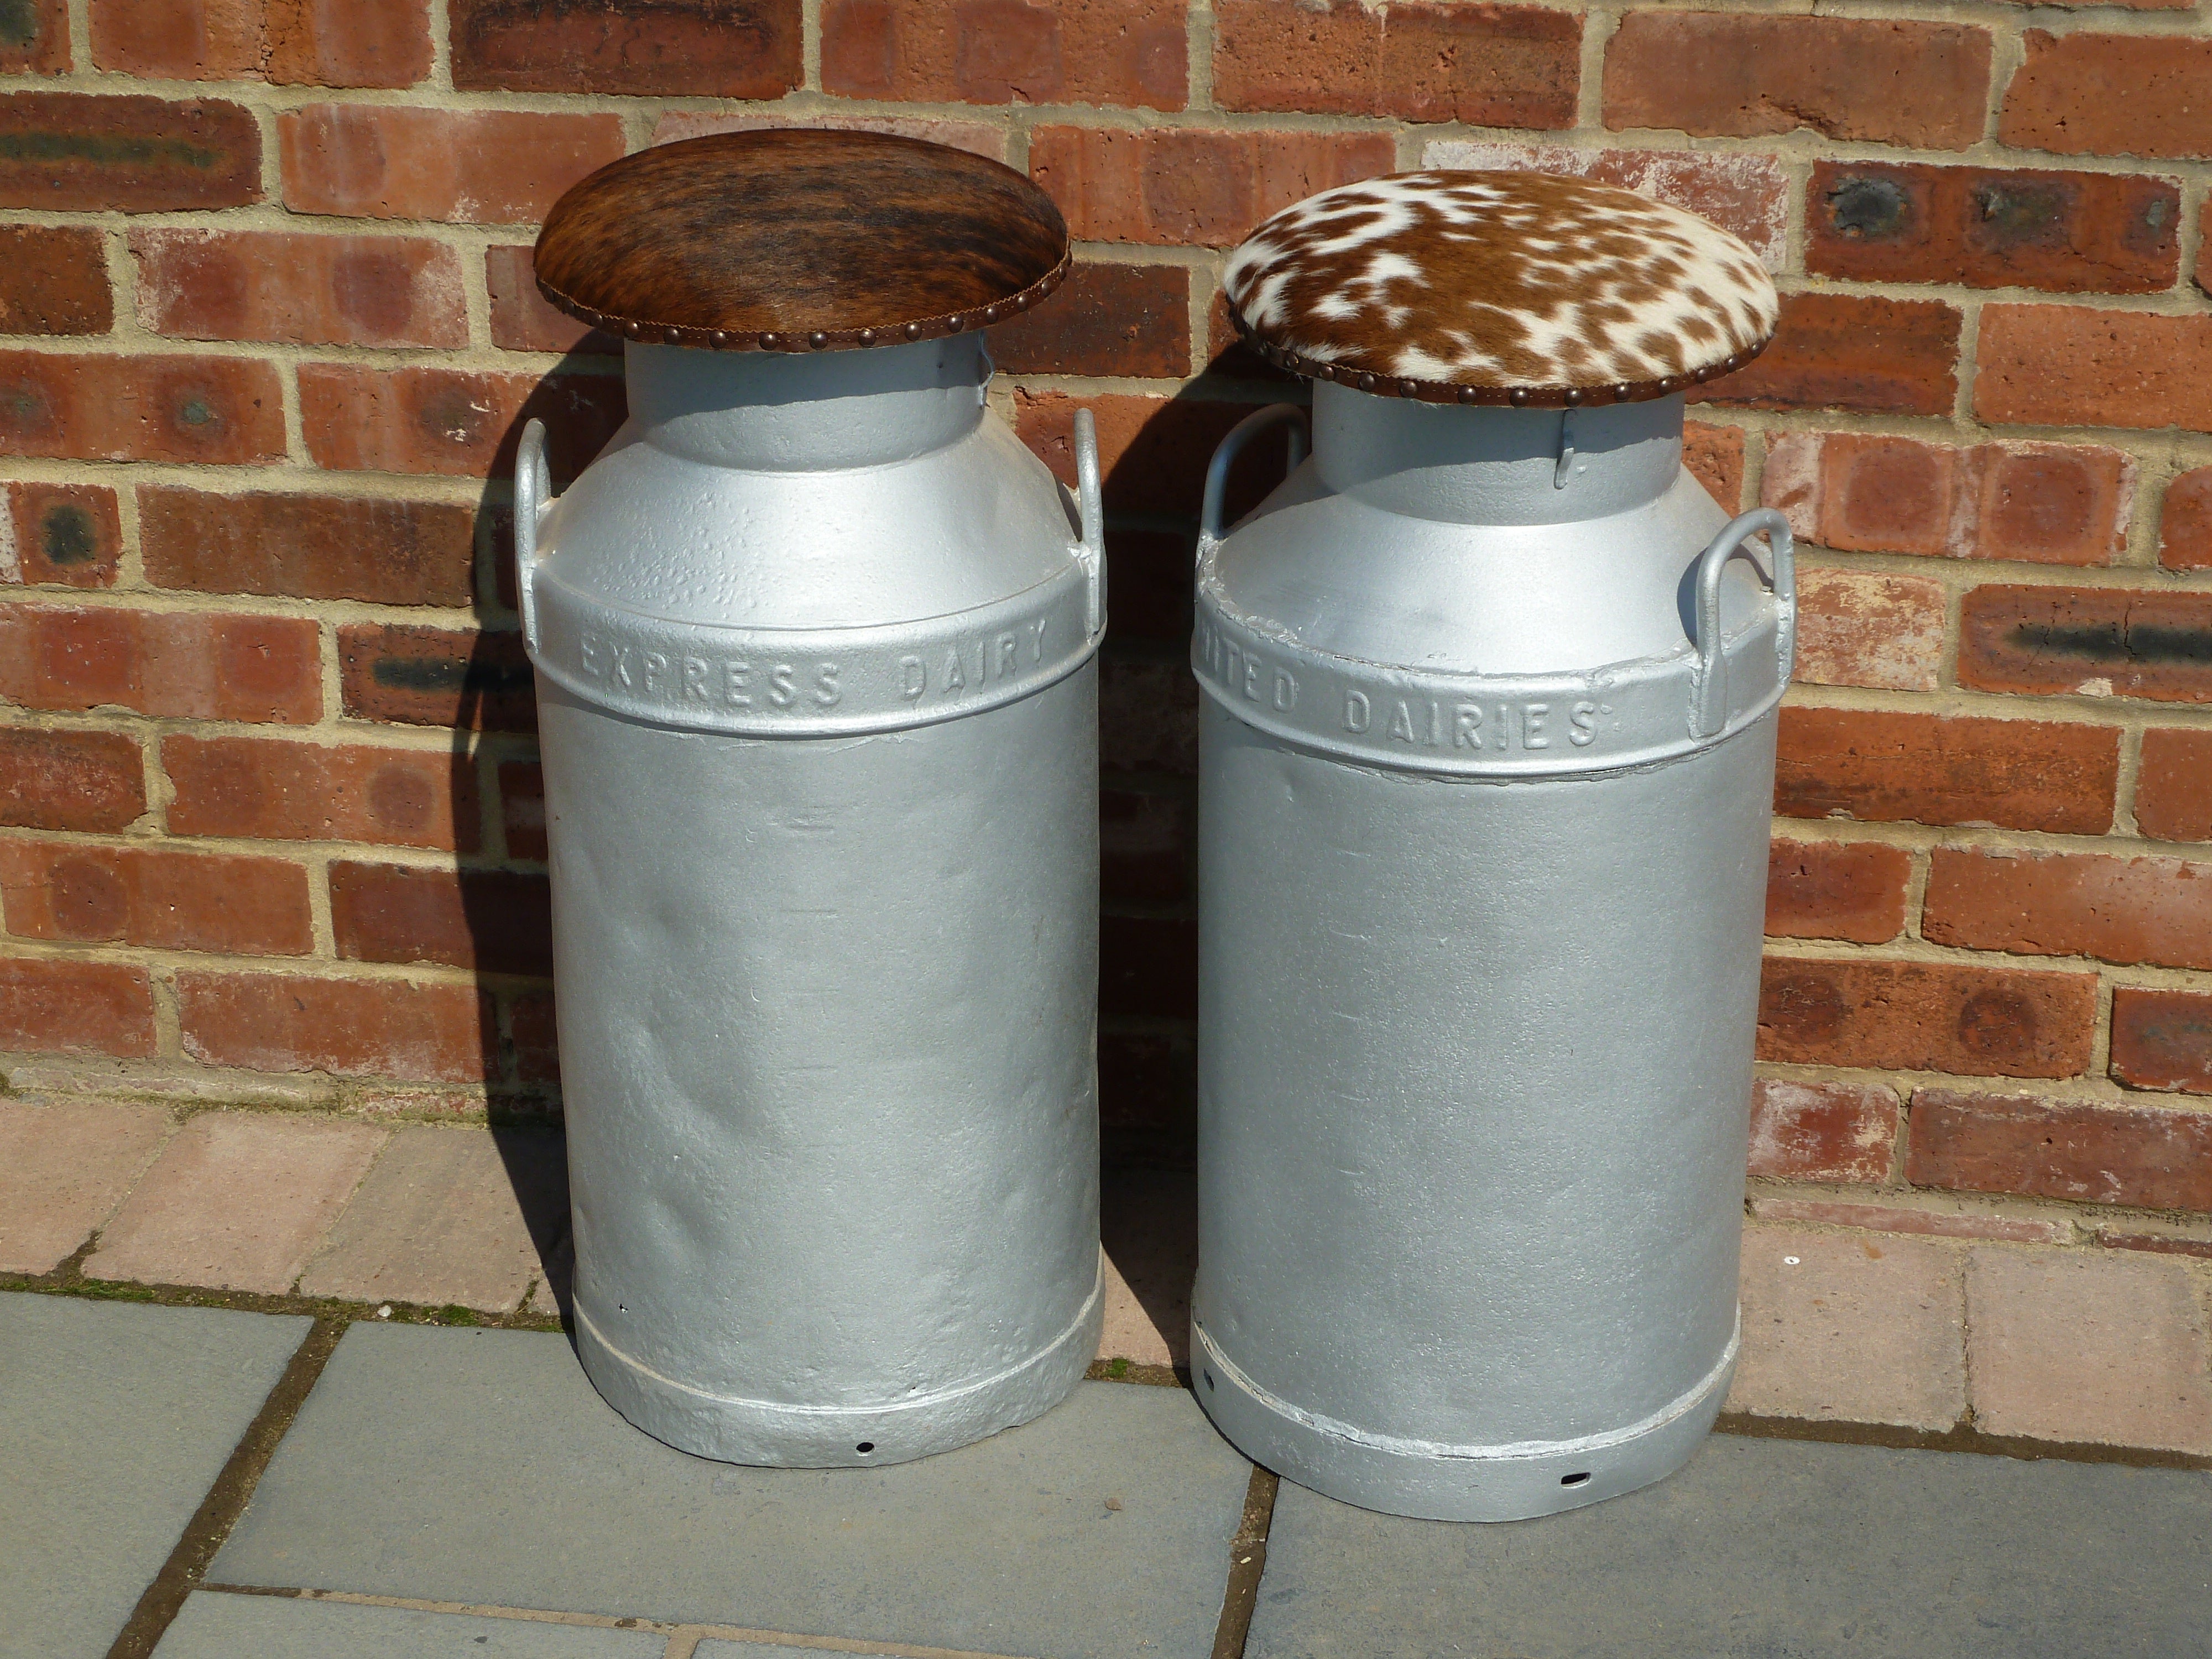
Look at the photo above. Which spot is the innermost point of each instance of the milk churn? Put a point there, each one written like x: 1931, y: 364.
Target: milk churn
x: 814, y: 639
x: 1487, y: 753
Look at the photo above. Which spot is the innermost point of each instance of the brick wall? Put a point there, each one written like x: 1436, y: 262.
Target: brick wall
x: 276, y: 829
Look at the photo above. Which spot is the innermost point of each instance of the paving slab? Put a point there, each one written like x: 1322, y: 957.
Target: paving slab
x: 1767, y: 1549
x: 719, y: 1647
x: 477, y: 1468
x: 118, y: 1418
x: 63, y: 1168
x: 214, y: 1624
x: 1148, y: 1222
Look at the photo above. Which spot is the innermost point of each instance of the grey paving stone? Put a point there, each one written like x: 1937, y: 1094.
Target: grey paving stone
x: 1767, y: 1549
x: 719, y: 1648
x: 116, y: 1420
x: 213, y: 1626
x: 478, y: 1468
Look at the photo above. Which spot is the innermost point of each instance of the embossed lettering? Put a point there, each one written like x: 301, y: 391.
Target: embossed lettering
x: 825, y: 686
x: 592, y: 648
x: 694, y: 679
x: 1036, y: 640
x: 1532, y: 725
x: 735, y: 673
x: 1010, y: 655
x: 914, y: 678
x: 1584, y: 719
x: 656, y: 666
x: 1466, y: 726
x: 1357, y: 712
x: 954, y: 680
x: 780, y: 690
x: 622, y: 666
x: 1401, y: 723
x: 1286, y: 690
x: 1502, y: 733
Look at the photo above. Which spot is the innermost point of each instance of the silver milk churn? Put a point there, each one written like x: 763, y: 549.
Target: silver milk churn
x: 814, y: 639
x: 1487, y: 754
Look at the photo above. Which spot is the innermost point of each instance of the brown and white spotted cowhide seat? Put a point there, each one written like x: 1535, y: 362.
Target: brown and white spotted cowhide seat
x: 1504, y: 288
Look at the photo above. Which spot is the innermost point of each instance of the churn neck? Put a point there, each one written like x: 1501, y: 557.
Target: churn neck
x: 762, y: 411
x: 1487, y: 465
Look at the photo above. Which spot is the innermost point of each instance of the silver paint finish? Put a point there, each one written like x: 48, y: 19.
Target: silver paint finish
x: 1485, y: 773
x: 814, y: 638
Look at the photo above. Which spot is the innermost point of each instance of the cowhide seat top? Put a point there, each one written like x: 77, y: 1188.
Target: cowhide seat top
x: 1499, y: 288
x: 792, y: 240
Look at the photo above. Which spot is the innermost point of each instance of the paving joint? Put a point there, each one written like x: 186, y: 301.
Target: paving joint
x: 1247, y: 1564
x: 1962, y: 1437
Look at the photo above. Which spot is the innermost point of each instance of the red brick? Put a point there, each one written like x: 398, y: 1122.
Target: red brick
x: 54, y: 280
x: 2115, y: 1238
x: 1153, y: 451
x: 308, y: 547
x: 1714, y: 455
x: 348, y: 1028
x: 492, y: 920
x: 977, y: 138
x: 2101, y: 233
x: 1850, y: 890
x: 1146, y: 846
x: 1852, y: 351
x: 64, y: 534
x: 2142, y: 1155
x: 1857, y: 628
x: 1486, y: 65
x: 329, y: 43
x: 1126, y: 53
x: 478, y: 682
x: 1879, y: 82
x: 522, y: 809
x: 1926, y: 1017
x: 1824, y: 1131
x: 2107, y: 641
x: 75, y: 1007
x: 140, y: 409
x: 465, y: 167
x: 450, y: 421
x: 1148, y: 966
x: 2185, y: 530
x: 1947, y: 768
x: 64, y: 152
x: 1192, y: 188
x: 154, y: 896
x: 2174, y: 785
x: 536, y: 1050
x: 1107, y: 319
x: 92, y: 781
x: 657, y: 48
x: 2071, y: 904
x: 2162, y: 1040
x: 522, y: 320
x: 248, y: 788
x: 188, y: 664
x: 302, y: 290
x: 1148, y: 584
x: 34, y: 37
x: 2110, y: 94
x: 1147, y: 716
x: 2071, y: 366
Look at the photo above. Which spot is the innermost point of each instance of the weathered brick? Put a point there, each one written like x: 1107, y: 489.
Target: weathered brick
x: 348, y: 1028
x: 2122, y: 1238
x: 496, y: 921
x: 2112, y: 641
x: 2143, y: 1155
x: 522, y: 809
x: 453, y: 422
x: 521, y: 319
x: 153, y: 896
x: 1131, y: 53
x: 1944, y: 768
x: 2174, y: 785
x: 1148, y: 966
x: 656, y: 48
x: 1149, y: 575
x: 1856, y: 629
x: 34, y: 37
x: 1880, y: 81
x: 308, y: 547
x: 977, y: 138
x: 74, y: 1007
x: 1714, y: 455
x: 2072, y: 366
x: 2071, y: 904
x: 1745, y: 194
x: 1852, y: 351
x: 1145, y: 844
x: 304, y: 290
x: 2162, y: 1040
x: 537, y: 1050
x: 70, y: 535
x: 290, y: 42
x: 1486, y: 65
x: 2110, y: 94
x: 189, y: 664
x: 54, y: 280
x: 1192, y: 188
x: 66, y: 152
x: 1851, y: 889
x: 2101, y: 233
x: 249, y: 789
x: 465, y: 167
x: 92, y: 781
x: 1926, y: 1017
x: 476, y: 681
x: 219, y: 409
x: 1898, y: 1218
x: 1106, y: 319
x: 1825, y: 1131
x: 2185, y: 530
x: 1147, y: 716
x: 1152, y: 452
